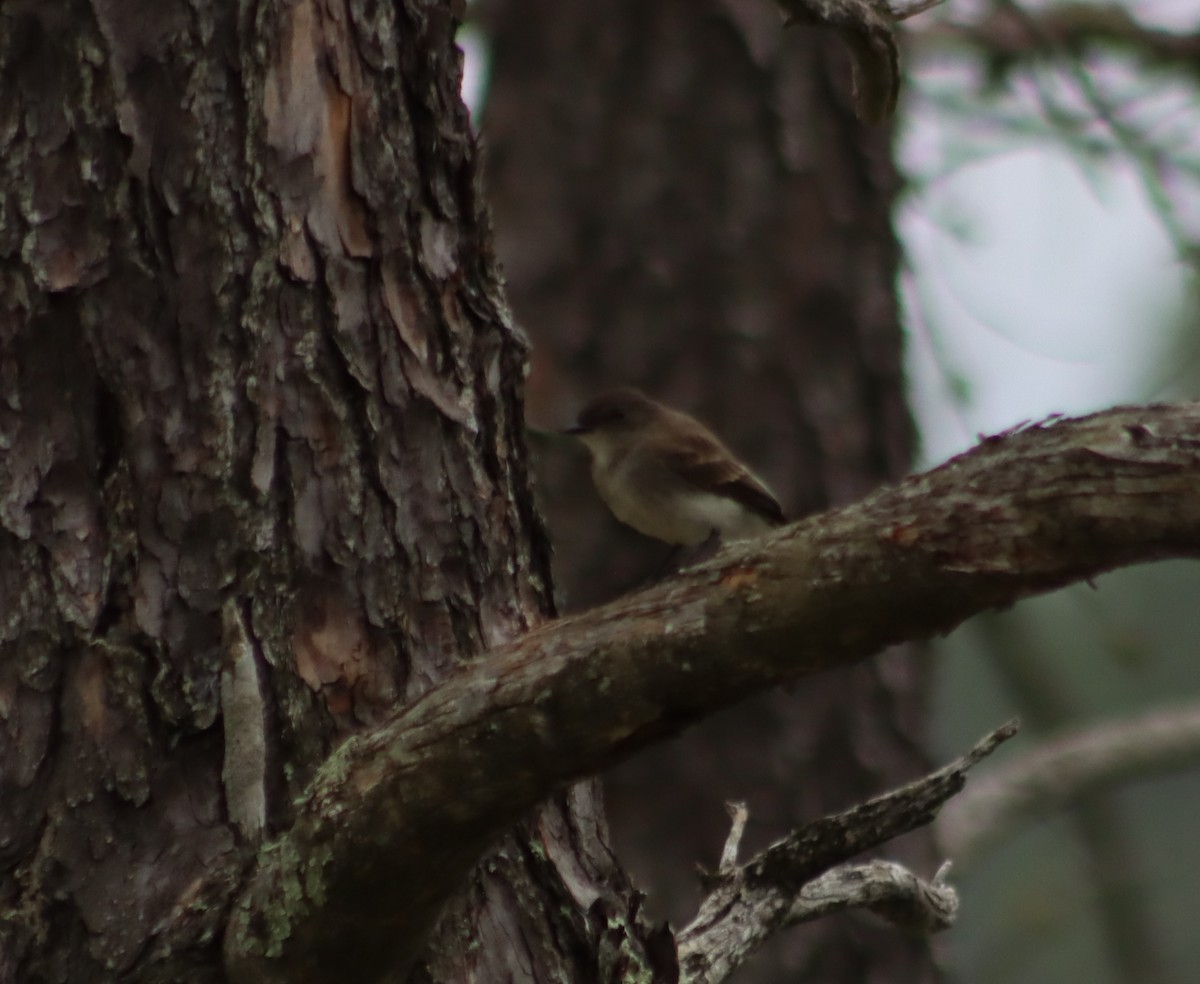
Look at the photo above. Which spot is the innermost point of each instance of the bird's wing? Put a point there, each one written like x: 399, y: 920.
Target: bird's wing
x: 703, y: 461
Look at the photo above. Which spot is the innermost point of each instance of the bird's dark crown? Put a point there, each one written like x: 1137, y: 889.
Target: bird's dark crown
x: 624, y: 407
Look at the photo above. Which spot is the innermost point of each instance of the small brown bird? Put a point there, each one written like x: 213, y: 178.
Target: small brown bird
x: 668, y: 476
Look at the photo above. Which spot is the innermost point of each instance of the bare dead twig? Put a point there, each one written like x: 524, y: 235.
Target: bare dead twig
x: 729, y: 854
x: 796, y: 879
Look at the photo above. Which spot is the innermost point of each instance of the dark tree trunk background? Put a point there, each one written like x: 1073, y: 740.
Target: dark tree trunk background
x: 263, y: 471
x: 684, y: 201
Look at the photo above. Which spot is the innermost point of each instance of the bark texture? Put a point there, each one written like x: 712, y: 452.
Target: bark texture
x: 686, y: 202
x: 263, y: 475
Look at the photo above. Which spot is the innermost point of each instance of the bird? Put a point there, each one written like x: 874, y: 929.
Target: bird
x: 668, y: 476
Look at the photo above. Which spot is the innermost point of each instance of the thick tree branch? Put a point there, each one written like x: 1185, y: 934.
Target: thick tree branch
x: 396, y: 818
x: 775, y: 889
x: 1066, y: 768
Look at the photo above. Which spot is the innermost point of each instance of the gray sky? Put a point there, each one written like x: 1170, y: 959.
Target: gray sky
x: 1057, y: 300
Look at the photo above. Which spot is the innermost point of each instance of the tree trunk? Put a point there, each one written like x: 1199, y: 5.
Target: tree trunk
x: 685, y: 202
x: 263, y: 475
x: 264, y: 489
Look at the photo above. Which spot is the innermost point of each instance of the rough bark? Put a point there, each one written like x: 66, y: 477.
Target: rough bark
x: 685, y: 201
x: 263, y: 473
x: 1048, y: 700
x: 1024, y: 512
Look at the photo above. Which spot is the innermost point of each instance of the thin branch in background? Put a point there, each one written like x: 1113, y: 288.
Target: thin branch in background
x: 1160, y: 742
x: 1071, y: 771
x: 1015, y: 124
x: 1148, y: 161
x: 797, y: 880
x: 1061, y: 38
x: 1128, y: 931
x: 1075, y: 27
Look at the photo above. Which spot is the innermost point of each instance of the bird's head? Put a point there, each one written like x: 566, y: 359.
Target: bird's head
x: 613, y: 421
x: 619, y: 410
